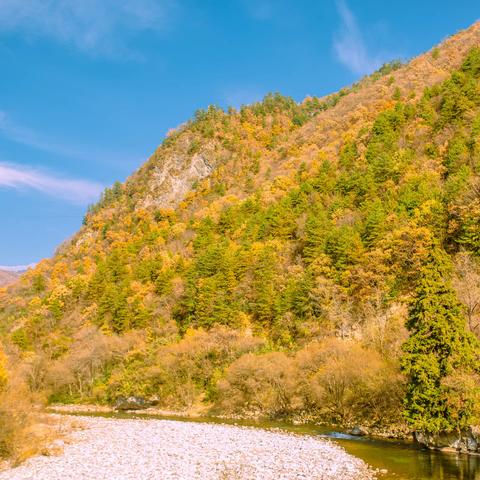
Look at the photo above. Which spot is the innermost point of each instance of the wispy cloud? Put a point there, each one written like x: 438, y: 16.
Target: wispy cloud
x: 93, y: 26
x: 80, y: 192
x: 26, y: 136
x: 21, y: 134
x: 349, y: 44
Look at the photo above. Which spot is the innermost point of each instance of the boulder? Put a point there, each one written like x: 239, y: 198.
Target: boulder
x: 131, y: 403
x: 466, y: 441
x: 358, y: 431
x: 154, y: 401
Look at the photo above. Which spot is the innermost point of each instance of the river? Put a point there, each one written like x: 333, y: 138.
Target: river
x: 403, y: 460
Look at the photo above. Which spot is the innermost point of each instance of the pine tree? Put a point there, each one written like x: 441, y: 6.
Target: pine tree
x: 265, y: 288
x: 316, y: 229
x: 374, y: 222
x: 439, y: 347
x: 113, y: 309
x: 204, y: 302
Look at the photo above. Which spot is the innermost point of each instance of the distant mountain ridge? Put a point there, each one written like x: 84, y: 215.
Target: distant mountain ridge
x: 7, y: 277
x: 9, y: 274
x: 17, y: 268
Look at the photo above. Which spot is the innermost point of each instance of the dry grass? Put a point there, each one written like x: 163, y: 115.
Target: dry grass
x: 24, y: 429
x: 16, y: 420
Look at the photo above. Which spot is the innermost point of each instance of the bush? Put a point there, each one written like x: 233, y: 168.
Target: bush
x: 345, y: 382
x: 334, y: 380
x: 184, y: 373
x: 76, y: 375
x: 17, y: 438
x: 258, y: 385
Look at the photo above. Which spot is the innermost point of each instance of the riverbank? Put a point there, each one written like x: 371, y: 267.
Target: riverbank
x: 107, y: 448
x: 400, y: 432
x: 92, y: 408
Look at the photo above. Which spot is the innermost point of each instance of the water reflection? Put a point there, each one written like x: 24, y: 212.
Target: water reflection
x: 405, y: 461
x: 442, y: 466
x: 463, y: 467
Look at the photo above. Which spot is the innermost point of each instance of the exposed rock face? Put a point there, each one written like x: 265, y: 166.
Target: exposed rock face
x: 171, y: 181
x: 466, y: 441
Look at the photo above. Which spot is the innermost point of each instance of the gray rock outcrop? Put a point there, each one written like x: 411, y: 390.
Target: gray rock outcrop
x: 467, y: 441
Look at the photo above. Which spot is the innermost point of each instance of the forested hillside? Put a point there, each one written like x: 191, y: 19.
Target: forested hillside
x: 315, y: 259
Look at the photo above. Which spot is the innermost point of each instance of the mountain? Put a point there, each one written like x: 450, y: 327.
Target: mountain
x: 263, y: 261
x: 8, y: 274
x: 17, y: 268
x: 7, y: 277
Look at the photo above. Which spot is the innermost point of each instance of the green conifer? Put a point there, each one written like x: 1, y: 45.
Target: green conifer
x: 439, y: 346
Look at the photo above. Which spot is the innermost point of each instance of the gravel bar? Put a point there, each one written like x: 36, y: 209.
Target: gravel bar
x: 117, y: 449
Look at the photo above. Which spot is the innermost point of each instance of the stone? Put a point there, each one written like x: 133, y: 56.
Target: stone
x: 154, y: 401
x: 132, y: 449
x: 131, y: 403
x: 358, y: 431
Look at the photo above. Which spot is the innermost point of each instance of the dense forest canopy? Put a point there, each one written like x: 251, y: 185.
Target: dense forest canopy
x: 308, y: 262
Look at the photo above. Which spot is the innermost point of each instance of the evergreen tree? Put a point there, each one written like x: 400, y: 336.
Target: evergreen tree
x: 316, y: 230
x: 265, y: 288
x: 439, y: 347
x: 113, y: 309
x: 374, y: 222
x: 344, y: 246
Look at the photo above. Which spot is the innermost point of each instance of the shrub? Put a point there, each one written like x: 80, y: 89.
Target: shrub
x: 334, y: 380
x: 74, y: 376
x: 346, y: 382
x: 183, y: 373
x: 17, y: 436
x: 258, y: 385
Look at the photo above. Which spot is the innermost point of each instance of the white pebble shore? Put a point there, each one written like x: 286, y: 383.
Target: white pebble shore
x: 117, y: 449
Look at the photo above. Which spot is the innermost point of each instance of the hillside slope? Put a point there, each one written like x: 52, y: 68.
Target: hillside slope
x: 263, y: 259
x: 7, y: 278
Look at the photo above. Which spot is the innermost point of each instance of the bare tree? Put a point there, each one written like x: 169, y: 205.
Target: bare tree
x: 466, y: 282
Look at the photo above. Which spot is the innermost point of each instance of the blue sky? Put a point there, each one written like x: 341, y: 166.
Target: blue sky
x: 88, y: 88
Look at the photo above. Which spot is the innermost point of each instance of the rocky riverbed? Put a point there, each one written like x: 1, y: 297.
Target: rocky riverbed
x: 120, y: 449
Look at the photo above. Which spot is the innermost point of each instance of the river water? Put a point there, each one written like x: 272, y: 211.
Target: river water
x: 403, y: 460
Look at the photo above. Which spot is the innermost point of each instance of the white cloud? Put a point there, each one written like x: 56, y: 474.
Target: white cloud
x: 80, y: 192
x: 94, y: 26
x: 349, y: 44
